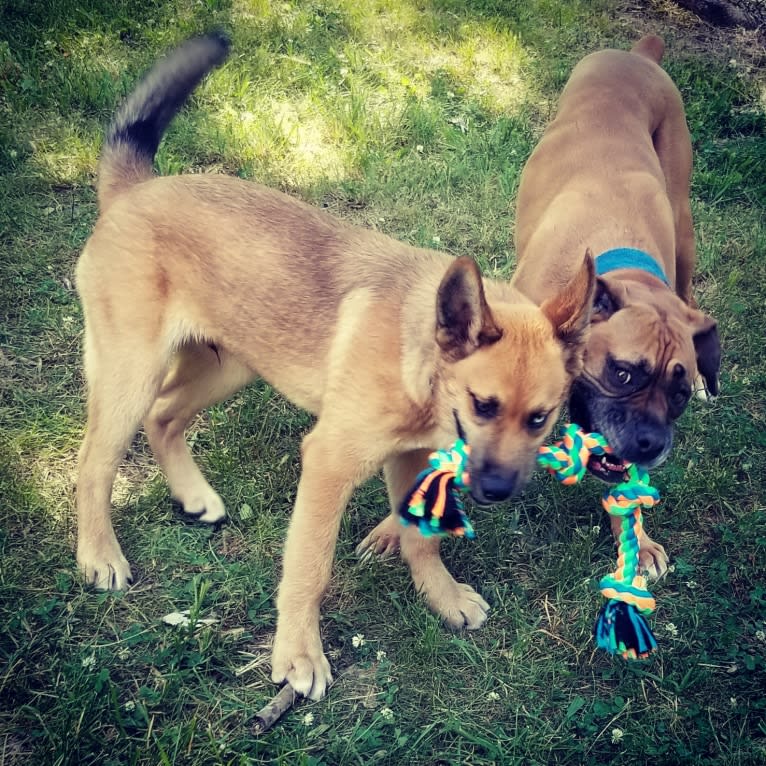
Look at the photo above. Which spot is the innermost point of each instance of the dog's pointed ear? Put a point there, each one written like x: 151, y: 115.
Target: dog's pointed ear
x: 464, y: 321
x: 569, y: 311
x: 708, y: 349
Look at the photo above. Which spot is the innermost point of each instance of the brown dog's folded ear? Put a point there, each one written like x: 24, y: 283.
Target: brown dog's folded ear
x: 605, y: 301
x: 463, y: 319
x: 569, y: 311
x: 708, y: 349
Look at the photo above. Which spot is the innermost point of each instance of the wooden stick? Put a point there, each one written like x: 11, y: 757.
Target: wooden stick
x: 268, y: 715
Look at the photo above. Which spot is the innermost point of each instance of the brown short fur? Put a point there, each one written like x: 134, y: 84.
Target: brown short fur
x: 194, y: 285
x: 612, y: 171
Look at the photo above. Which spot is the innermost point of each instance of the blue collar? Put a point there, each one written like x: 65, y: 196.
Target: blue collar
x: 629, y: 258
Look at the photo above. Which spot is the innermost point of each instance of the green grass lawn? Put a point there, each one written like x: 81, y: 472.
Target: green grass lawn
x: 413, y: 117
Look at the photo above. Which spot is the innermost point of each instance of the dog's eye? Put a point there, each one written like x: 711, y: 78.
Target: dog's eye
x: 537, y: 420
x: 485, y: 408
x: 623, y: 376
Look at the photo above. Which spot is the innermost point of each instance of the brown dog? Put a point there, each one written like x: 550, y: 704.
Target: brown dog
x: 193, y: 285
x: 611, y: 175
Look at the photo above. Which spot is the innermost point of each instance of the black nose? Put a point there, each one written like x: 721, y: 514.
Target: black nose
x: 496, y: 486
x: 650, y: 442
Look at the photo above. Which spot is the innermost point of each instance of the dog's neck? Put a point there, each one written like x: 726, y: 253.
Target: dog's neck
x: 629, y: 258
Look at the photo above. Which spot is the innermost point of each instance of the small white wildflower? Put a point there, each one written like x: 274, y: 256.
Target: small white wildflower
x: 672, y: 629
x: 732, y: 62
x: 343, y: 71
x: 89, y: 662
x: 387, y: 714
x: 596, y: 530
x: 436, y: 239
x: 124, y: 653
x: 380, y: 655
x: 760, y: 635
x: 691, y: 584
x: 358, y: 640
x: 450, y: 94
x: 129, y: 706
x: 617, y: 735
x: 733, y: 701
x: 308, y: 719
x: 419, y: 148
x: 493, y: 697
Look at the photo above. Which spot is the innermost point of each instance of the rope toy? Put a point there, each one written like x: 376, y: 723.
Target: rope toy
x: 620, y: 627
x: 433, y: 504
x: 435, y: 507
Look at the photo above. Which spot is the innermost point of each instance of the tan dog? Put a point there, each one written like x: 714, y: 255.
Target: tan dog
x: 193, y: 285
x: 611, y: 175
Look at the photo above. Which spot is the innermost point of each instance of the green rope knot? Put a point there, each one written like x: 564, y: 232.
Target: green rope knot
x: 433, y: 504
x: 620, y: 627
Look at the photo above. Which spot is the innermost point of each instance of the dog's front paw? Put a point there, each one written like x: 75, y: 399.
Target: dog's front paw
x: 104, y: 569
x: 382, y: 542
x: 652, y: 558
x: 458, y: 604
x: 298, y: 658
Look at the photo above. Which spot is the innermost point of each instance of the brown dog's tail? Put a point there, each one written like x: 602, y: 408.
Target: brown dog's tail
x: 650, y: 46
x: 139, y: 124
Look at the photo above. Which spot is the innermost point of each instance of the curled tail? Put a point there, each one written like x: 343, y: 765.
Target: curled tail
x: 650, y: 46
x: 138, y: 126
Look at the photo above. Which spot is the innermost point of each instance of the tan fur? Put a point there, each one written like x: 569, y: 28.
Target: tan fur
x: 612, y: 170
x: 194, y: 285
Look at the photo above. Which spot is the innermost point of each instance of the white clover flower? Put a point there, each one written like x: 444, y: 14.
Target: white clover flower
x: 436, y: 239
x: 733, y: 701
x: 617, y: 735
x: 308, y: 719
x: 358, y: 640
x: 596, y: 530
x: 691, y: 584
x: 672, y: 629
x: 129, y: 706
x: 493, y: 697
x: 419, y: 148
x: 89, y: 662
x: 760, y: 635
x: 387, y: 714
x: 380, y: 655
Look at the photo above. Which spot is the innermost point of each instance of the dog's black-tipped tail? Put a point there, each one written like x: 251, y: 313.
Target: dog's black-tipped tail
x: 140, y: 122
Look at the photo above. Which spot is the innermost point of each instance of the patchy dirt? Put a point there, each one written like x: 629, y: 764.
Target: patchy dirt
x: 685, y: 32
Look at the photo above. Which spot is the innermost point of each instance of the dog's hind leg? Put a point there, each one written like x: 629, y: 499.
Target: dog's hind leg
x: 459, y: 605
x: 201, y: 375
x: 121, y: 387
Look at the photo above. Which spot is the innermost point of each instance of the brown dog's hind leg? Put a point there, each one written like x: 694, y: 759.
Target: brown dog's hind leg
x: 122, y: 386
x: 201, y: 375
x: 458, y: 604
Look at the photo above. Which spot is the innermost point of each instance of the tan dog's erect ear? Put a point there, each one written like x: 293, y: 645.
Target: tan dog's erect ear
x: 570, y: 310
x: 463, y: 319
x: 708, y: 349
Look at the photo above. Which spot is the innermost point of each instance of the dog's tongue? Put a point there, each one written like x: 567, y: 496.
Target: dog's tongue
x: 608, y: 468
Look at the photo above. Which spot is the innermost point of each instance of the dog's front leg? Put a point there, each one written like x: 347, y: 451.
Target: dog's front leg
x: 653, y: 560
x: 328, y: 477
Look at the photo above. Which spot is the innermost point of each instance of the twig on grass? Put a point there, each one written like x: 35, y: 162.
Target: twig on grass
x: 268, y: 715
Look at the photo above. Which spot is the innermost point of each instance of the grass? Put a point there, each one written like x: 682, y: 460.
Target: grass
x: 414, y: 117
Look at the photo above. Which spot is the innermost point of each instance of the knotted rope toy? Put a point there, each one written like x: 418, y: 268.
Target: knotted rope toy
x: 433, y: 504
x: 436, y: 508
x: 621, y: 627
